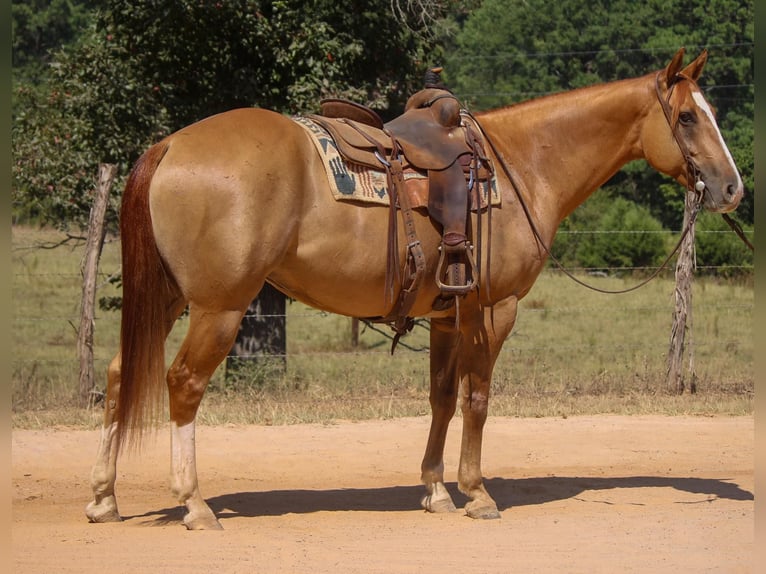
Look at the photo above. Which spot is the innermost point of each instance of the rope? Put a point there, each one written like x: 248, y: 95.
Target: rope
x: 738, y: 230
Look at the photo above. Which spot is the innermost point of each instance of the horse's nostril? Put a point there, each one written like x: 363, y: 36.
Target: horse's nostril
x: 731, y: 190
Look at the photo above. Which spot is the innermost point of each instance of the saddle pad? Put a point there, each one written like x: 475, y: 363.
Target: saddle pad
x: 353, y: 182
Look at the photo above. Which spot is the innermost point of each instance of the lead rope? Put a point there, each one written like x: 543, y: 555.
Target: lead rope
x: 737, y: 228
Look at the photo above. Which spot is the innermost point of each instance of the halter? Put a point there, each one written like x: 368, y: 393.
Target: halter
x: 692, y: 171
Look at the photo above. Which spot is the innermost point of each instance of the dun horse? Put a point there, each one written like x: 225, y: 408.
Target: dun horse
x: 215, y: 210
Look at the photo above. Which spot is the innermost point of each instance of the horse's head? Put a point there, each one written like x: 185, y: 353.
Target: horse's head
x: 681, y: 137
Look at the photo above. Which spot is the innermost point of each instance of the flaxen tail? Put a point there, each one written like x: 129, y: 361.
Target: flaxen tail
x: 146, y: 291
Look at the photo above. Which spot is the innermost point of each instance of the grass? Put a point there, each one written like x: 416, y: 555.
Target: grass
x: 573, y: 351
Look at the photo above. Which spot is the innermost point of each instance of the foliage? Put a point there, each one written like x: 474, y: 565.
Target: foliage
x: 718, y: 250
x: 41, y: 26
x: 143, y: 69
x: 512, y: 50
x: 627, y: 236
x: 94, y: 111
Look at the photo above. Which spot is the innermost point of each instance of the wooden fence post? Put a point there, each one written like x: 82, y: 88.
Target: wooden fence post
x: 89, y: 269
x: 354, y: 332
x: 682, y: 314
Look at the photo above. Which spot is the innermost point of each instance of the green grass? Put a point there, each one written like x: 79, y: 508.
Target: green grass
x: 573, y: 351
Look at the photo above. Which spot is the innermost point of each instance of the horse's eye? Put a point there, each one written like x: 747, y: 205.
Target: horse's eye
x: 686, y: 118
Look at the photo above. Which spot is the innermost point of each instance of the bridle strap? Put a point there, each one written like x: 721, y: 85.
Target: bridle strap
x: 692, y: 172
x: 737, y: 228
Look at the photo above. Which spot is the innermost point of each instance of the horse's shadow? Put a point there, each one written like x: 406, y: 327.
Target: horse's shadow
x: 508, y: 493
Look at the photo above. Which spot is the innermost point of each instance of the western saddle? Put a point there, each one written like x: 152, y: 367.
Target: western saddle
x: 431, y: 136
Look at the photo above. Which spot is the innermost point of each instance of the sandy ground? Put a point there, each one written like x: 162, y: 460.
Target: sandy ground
x: 583, y: 494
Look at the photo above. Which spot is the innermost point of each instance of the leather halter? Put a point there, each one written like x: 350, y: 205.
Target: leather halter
x: 692, y: 171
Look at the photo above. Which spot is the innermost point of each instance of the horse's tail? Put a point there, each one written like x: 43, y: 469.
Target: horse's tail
x: 147, y: 290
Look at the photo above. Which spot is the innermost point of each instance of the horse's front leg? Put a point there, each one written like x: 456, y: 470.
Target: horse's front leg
x: 482, y: 341
x: 445, y: 341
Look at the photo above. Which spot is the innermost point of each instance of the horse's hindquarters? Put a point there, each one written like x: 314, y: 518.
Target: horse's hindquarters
x: 227, y: 201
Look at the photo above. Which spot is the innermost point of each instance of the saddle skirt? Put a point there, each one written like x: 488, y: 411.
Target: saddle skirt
x: 362, y: 176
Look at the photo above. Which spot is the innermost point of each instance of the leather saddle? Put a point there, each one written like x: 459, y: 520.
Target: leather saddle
x: 367, y: 144
x: 430, y: 136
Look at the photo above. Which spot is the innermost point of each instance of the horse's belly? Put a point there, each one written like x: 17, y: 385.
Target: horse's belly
x: 341, y: 266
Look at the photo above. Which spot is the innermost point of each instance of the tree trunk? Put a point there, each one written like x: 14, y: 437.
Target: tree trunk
x: 260, y: 347
x: 89, y: 270
x: 682, y: 314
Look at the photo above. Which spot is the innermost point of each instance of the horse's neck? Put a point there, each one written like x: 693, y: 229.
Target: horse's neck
x: 563, y: 147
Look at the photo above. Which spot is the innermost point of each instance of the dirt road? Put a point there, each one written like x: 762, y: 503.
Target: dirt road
x: 583, y: 494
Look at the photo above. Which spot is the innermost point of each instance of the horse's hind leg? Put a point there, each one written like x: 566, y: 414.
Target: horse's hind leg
x: 208, y: 341
x: 103, y: 507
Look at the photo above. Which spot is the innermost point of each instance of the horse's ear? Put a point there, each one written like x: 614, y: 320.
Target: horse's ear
x: 671, y: 72
x: 694, y: 70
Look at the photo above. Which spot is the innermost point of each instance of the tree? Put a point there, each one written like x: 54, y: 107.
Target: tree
x: 145, y: 68
x: 610, y: 232
x: 39, y: 27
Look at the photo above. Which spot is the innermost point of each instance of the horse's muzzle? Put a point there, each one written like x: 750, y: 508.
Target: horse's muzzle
x: 725, y: 199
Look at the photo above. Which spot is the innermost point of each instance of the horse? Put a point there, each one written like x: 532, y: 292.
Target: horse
x: 215, y: 210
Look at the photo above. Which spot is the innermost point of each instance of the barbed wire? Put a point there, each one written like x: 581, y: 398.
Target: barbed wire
x: 323, y: 314
x: 109, y: 276
x: 515, y: 346
x: 653, y: 50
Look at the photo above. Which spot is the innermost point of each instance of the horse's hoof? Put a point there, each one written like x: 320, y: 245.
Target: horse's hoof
x: 482, y: 510
x: 202, y: 522
x: 437, y: 505
x: 104, y: 511
x: 438, y: 499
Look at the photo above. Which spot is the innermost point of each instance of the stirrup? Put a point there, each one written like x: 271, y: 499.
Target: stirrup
x: 456, y: 269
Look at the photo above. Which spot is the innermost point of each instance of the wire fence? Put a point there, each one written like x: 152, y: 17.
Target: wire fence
x: 563, y: 334
x: 109, y: 320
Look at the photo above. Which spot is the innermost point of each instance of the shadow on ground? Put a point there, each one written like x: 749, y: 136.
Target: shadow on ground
x: 508, y: 493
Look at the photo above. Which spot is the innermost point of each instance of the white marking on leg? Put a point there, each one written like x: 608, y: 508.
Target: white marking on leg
x: 103, y: 474
x: 183, y: 460
x: 184, y: 479
x: 103, y: 507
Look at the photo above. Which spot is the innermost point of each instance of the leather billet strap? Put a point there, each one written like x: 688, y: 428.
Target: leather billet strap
x: 398, y: 317
x: 415, y: 264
